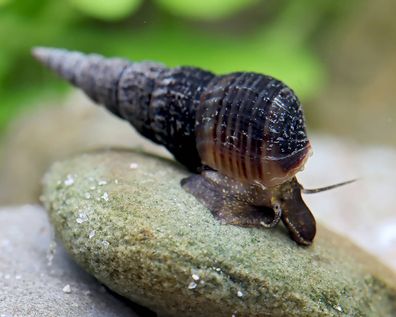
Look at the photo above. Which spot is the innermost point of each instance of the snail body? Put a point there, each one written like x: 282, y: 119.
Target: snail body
x: 242, y: 134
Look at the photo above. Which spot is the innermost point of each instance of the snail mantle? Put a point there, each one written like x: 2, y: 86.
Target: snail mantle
x: 125, y: 219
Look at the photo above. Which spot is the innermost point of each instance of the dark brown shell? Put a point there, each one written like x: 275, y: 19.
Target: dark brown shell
x: 251, y: 127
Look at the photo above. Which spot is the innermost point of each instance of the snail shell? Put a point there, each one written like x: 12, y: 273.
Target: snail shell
x: 247, y: 127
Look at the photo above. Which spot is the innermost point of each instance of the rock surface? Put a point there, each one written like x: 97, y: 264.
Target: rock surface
x: 124, y: 217
x: 37, y: 278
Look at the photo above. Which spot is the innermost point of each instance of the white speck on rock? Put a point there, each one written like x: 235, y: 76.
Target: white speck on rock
x: 116, y: 181
x: 339, y: 308
x: 91, y: 234
x: 82, y: 217
x: 195, y: 277
x: 192, y: 285
x: 239, y: 294
x: 105, y: 196
x: 18, y: 277
x: 69, y: 180
x: 67, y: 289
x: 102, y: 182
x: 133, y: 166
x: 105, y: 243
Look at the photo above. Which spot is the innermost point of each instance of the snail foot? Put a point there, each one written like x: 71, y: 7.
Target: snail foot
x: 228, y: 200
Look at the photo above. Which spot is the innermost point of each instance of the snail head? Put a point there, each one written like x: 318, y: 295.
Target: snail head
x: 296, y: 215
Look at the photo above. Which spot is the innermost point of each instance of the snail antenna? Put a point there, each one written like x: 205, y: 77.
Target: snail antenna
x: 322, y: 189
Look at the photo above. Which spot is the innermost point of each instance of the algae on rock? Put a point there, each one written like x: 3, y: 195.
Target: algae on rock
x: 124, y: 217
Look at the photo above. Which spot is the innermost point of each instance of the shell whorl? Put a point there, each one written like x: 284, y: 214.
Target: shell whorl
x: 251, y: 127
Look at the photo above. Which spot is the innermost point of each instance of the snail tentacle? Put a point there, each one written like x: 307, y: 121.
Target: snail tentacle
x: 326, y: 188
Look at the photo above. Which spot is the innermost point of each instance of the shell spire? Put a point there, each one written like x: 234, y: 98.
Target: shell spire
x: 159, y: 102
x: 97, y: 76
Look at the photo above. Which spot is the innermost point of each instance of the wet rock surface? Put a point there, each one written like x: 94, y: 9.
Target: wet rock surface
x: 124, y: 217
x: 37, y: 277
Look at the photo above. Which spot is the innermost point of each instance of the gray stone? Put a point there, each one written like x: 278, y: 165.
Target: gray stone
x: 37, y: 278
x: 124, y: 217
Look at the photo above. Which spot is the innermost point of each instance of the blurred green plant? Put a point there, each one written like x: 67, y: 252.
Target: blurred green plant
x: 105, y: 9
x: 207, y: 9
x: 272, y: 37
x: 3, y: 2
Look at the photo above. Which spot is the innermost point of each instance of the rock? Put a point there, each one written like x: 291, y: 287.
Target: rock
x: 49, y: 133
x: 124, y: 217
x: 37, y: 278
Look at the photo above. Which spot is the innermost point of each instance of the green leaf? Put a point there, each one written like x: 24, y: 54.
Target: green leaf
x: 107, y: 9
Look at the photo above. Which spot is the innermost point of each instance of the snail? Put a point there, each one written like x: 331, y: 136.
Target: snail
x: 242, y: 134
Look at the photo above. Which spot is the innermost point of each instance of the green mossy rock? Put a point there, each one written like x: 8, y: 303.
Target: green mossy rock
x: 124, y: 218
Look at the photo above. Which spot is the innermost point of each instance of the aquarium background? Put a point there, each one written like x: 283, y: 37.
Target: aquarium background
x: 339, y: 56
